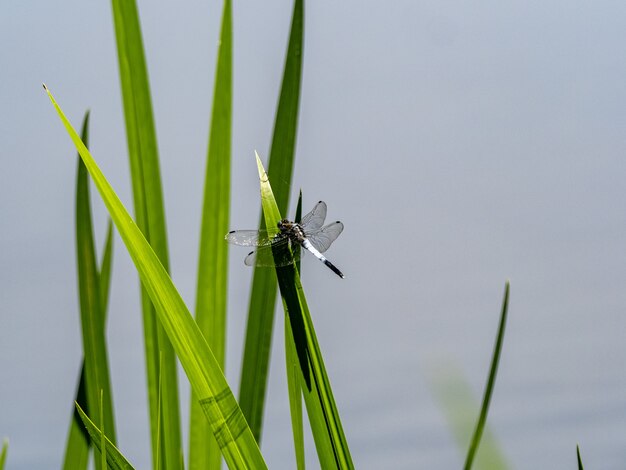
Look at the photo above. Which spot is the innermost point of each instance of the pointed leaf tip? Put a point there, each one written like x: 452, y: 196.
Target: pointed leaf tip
x: 262, y: 174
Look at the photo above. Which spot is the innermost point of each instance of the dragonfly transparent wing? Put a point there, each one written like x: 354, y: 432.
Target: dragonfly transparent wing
x: 249, y: 237
x: 277, y: 254
x: 324, y: 237
x: 314, y: 219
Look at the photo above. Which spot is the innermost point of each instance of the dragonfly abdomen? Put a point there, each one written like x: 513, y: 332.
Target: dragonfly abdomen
x: 307, y: 244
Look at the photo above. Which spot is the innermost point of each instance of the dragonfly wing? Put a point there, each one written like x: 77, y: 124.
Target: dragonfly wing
x: 277, y: 254
x: 324, y: 237
x: 314, y: 219
x: 249, y: 237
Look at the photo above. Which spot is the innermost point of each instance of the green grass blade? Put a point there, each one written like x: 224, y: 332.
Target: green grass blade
x: 580, y: 461
x: 92, y: 319
x: 212, y: 289
x: 297, y: 219
x: 295, y: 395
x: 205, y: 375
x: 293, y: 377
x: 491, y: 380
x: 330, y: 442
x: 103, y: 446
x: 258, y: 341
x: 114, y: 458
x: 77, y: 447
x: 3, y: 453
x: 150, y: 214
x: 105, y: 270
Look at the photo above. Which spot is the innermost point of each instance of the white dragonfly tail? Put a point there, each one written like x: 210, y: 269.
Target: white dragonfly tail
x: 307, y: 244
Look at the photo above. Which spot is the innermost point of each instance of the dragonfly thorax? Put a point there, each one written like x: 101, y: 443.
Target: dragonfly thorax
x: 291, y: 229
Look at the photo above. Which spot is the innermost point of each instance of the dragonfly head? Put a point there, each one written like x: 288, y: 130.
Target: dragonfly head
x: 283, y: 224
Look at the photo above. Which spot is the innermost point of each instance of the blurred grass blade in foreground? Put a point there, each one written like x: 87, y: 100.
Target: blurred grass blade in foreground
x: 491, y: 380
x: 150, y: 217
x: 330, y: 442
x: 256, y: 356
x: 96, y: 366
x: 205, y: 375
x: 114, y: 458
x: 212, y: 288
x: 77, y: 447
x: 3, y: 453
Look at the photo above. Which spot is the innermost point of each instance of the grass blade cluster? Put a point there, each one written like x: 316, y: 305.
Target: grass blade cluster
x: 150, y: 216
x: 212, y: 289
x: 260, y: 322
x: 97, y: 380
x: 205, y: 375
x: 332, y: 447
x: 114, y: 458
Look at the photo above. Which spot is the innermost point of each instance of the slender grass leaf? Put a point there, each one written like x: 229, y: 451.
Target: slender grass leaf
x: 330, y: 442
x: 105, y: 270
x: 295, y: 395
x: 92, y: 321
x: 77, y: 447
x: 212, y: 290
x: 297, y: 220
x: 293, y: 375
x: 115, y: 459
x: 103, y: 446
x: 491, y: 380
x: 160, y: 430
x: 3, y: 453
x: 260, y: 322
x: 150, y: 215
x: 580, y: 461
x: 205, y: 375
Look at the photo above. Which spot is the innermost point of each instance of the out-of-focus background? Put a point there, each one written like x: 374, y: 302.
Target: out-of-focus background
x: 460, y: 143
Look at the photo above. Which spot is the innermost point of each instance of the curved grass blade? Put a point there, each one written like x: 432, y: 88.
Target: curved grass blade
x: 580, y: 462
x: 3, y: 453
x: 96, y: 366
x: 205, y: 375
x: 150, y: 216
x: 480, y: 425
x: 330, y: 442
x: 212, y: 289
x: 256, y: 356
x: 114, y: 458
x: 77, y: 447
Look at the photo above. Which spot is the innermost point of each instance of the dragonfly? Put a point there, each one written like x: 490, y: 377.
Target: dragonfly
x: 282, y: 248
